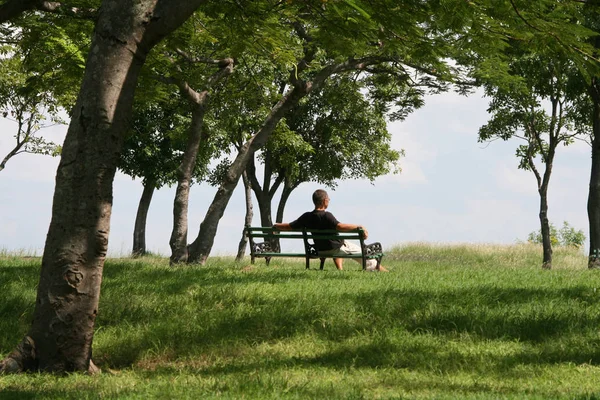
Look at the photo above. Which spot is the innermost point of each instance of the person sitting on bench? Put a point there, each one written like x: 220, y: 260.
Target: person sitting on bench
x: 319, y: 218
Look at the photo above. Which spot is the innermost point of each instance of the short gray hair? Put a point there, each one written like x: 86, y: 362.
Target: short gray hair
x: 319, y: 197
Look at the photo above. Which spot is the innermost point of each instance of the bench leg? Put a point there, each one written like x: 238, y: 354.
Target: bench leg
x: 307, y: 263
x: 268, y: 260
x: 322, y: 263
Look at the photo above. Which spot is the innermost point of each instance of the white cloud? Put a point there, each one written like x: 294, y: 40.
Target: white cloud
x: 412, y: 173
x: 509, y: 177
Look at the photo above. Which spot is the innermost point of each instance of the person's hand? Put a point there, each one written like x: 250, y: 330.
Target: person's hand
x: 365, y: 232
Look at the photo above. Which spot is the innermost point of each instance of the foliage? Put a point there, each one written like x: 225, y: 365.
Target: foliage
x: 565, y: 236
x: 448, y: 322
x: 537, y: 106
x: 54, y: 48
x: 41, y: 63
x: 336, y: 133
x: 28, y: 107
x: 151, y: 150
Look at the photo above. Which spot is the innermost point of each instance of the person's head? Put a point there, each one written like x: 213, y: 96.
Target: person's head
x: 320, y: 198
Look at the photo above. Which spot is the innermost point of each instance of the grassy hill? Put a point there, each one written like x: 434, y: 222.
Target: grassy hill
x: 474, y: 322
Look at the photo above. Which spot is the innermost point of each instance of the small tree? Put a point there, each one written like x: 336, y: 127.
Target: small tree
x: 565, y: 236
x: 536, y: 105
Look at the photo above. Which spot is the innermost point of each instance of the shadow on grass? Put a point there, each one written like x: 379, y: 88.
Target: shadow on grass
x: 174, y: 280
x: 208, y: 320
x: 10, y: 394
x: 508, y: 315
x: 16, y: 306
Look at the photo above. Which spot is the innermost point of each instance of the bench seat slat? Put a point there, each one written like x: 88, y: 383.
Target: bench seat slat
x: 374, y: 255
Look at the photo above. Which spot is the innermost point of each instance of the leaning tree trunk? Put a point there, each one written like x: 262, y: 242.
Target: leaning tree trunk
x: 247, y: 219
x: 201, y: 247
x: 197, y: 135
x: 62, y: 330
x: 139, y: 230
x: 593, y: 204
x: 178, y: 241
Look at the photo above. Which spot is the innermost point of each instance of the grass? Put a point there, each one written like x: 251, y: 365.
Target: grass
x: 469, y: 322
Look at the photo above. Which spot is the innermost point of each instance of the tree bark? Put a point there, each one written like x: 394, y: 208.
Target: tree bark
x: 62, y: 330
x: 593, y: 204
x: 545, y: 228
x: 248, y: 217
x: 139, y: 230
x: 288, y: 188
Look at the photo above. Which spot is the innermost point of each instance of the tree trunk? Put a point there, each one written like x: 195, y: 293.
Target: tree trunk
x: 263, y: 197
x: 178, y: 241
x: 264, y: 194
x: 593, y: 204
x: 545, y: 228
x: 62, y: 330
x: 197, y: 135
x: 139, y: 231
x: 247, y: 219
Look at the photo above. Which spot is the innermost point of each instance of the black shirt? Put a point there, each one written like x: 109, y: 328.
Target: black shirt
x: 319, y: 219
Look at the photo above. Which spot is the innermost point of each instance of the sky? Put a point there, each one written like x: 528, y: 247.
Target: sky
x: 452, y: 189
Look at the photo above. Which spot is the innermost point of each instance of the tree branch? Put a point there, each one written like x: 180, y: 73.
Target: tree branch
x: 226, y: 68
x: 276, y: 185
x: 535, y: 28
x: 56, y: 7
x: 219, y: 62
x: 251, y: 172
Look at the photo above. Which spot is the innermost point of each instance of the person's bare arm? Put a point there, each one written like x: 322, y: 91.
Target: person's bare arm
x: 350, y: 227
x: 282, y: 226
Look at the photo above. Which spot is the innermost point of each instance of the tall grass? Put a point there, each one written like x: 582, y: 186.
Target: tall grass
x: 449, y: 322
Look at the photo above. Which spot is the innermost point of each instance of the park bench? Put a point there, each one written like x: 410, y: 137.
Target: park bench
x: 265, y: 249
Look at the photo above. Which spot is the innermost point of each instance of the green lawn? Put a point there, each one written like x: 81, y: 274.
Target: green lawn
x: 469, y: 322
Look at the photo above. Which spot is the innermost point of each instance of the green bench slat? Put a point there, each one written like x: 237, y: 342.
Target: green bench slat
x: 308, y: 236
x: 374, y: 255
